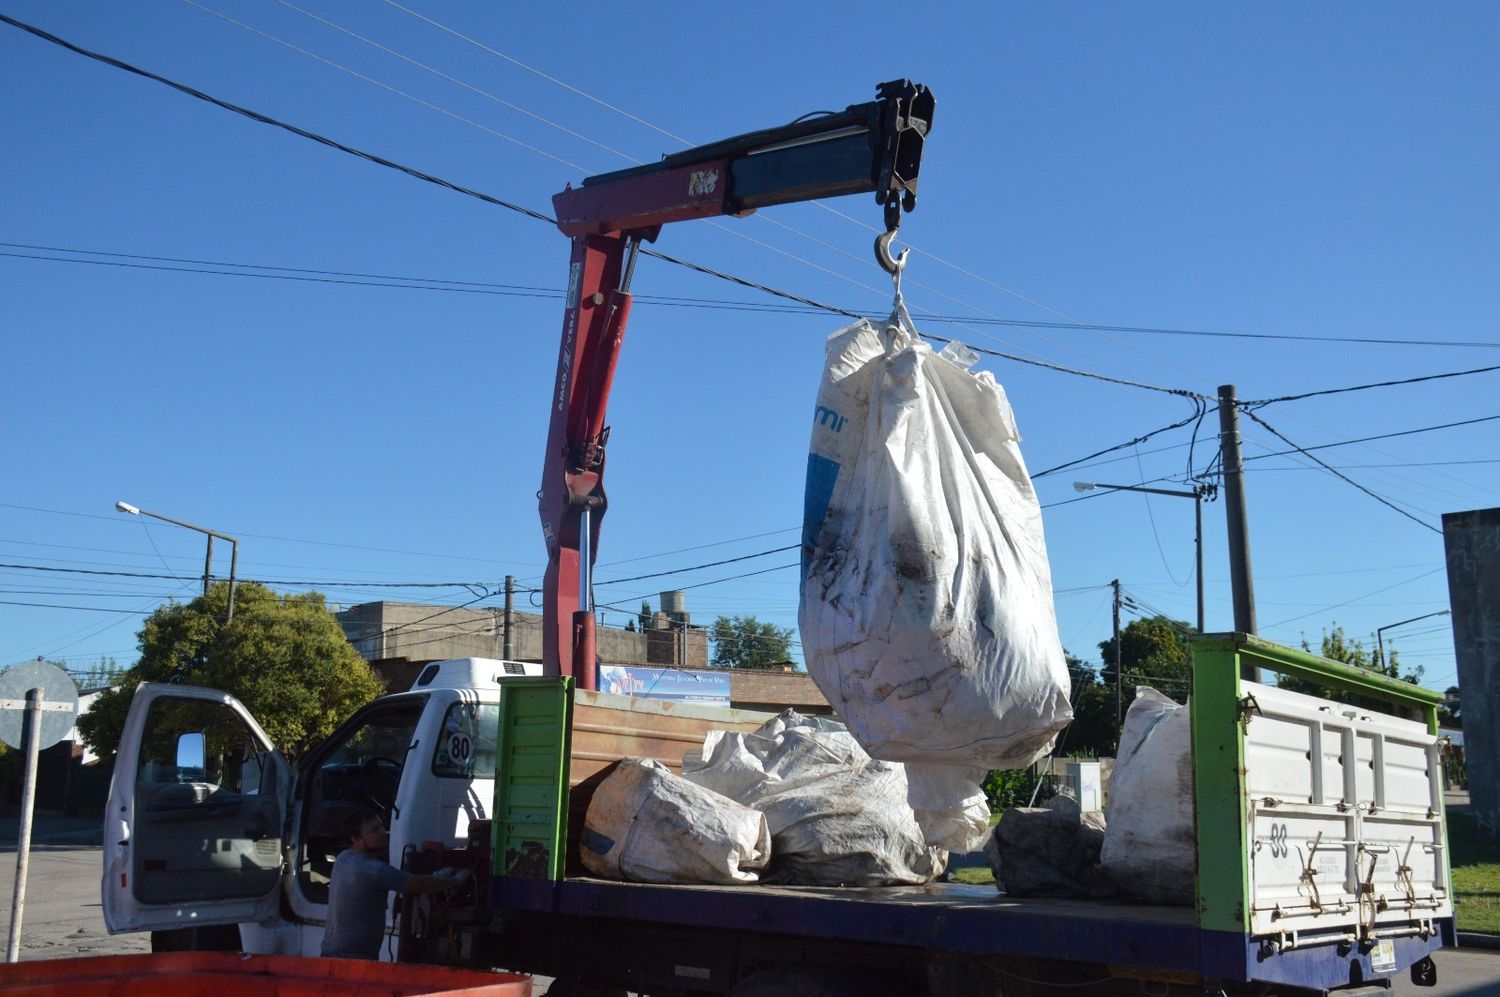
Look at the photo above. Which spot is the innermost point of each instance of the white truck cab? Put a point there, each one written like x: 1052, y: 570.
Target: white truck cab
x: 207, y: 824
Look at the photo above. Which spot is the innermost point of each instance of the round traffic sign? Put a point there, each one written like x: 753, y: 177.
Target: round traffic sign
x: 59, y: 702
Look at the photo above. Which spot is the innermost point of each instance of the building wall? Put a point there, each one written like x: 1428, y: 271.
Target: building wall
x: 1472, y: 542
x: 388, y: 631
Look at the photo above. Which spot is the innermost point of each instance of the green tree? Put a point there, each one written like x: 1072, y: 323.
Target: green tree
x: 284, y: 656
x: 1094, y: 730
x: 1450, y: 714
x: 745, y: 642
x: 1337, y: 647
x: 1154, y: 651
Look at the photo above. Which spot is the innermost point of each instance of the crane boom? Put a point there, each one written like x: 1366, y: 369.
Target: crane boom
x: 871, y: 147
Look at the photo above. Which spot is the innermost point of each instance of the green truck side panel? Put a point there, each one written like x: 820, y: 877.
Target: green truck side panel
x: 1218, y: 785
x: 531, y: 778
x: 1219, y: 755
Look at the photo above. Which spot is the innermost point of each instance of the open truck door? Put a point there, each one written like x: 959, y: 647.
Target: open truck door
x: 196, y: 815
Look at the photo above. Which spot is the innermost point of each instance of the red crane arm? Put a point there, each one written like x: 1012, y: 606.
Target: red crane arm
x: 876, y: 146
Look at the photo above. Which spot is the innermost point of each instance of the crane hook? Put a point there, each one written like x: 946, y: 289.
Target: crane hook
x: 888, y: 263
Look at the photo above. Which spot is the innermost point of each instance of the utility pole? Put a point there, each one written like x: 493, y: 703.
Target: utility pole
x: 1232, y: 462
x: 508, y: 642
x: 1119, y: 669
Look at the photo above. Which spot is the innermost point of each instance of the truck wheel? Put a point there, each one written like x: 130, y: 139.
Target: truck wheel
x: 813, y: 981
x: 211, y: 938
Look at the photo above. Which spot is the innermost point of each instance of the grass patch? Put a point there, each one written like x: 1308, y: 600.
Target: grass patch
x: 1475, y: 860
x: 974, y: 876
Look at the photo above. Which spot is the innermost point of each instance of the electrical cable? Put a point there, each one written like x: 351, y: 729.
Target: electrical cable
x: 528, y: 212
x: 1365, y: 387
x: 291, y: 583
x: 455, y: 80
x: 1198, y: 409
x: 1366, y: 439
x: 388, y: 88
x: 698, y: 567
x: 453, y: 285
x: 1340, y: 474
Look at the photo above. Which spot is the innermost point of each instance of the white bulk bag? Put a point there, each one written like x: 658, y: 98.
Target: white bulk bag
x: 1150, y: 846
x: 926, y: 612
x: 647, y: 825
x: 837, y: 816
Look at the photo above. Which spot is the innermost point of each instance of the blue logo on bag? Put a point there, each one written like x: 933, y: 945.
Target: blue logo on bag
x: 828, y: 417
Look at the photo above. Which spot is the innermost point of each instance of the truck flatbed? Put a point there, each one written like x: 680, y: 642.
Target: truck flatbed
x: 975, y: 919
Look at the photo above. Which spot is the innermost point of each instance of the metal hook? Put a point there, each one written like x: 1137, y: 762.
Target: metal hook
x: 883, y: 256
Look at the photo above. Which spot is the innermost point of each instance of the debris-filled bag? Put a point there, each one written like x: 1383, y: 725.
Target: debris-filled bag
x: 1050, y: 851
x: 837, y: 816
x: 1149, y: 844
x: 647, y: 825
x: 926, y: 611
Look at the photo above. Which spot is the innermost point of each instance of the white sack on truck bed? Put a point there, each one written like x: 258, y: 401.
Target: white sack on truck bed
x: 1150, y: 847
x: 837, y: 816
x: 647, y: 825
x: 926, y: 612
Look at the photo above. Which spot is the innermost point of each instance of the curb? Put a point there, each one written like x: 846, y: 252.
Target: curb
x: 1474, y: 940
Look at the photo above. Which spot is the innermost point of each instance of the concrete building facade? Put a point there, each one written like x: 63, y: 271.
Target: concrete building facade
x: 398, y: 638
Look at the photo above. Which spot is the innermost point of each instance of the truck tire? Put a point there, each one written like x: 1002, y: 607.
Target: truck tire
x: 813, y: 981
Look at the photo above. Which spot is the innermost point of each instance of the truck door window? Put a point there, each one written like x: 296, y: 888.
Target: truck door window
x: 360, y: 766
x: 466, y: 746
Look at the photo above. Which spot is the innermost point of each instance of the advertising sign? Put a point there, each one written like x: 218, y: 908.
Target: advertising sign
x: 679, y: 684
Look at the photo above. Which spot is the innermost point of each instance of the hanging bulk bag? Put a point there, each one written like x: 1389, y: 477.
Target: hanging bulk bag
x: 926, y: 608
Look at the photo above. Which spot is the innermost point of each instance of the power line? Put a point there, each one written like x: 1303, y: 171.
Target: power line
x: 1341, y: 475
x: 1198, y: 409
x: 528, y: 212
x: 1363, y: 439
x: 303, y: 583
x: 1366, y: 387
x: 697, y: 567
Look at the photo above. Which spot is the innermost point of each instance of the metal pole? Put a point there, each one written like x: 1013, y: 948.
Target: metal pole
x: 208, y: 565
x: 234, y: 560
x: 1198, y: 534
x: 1119, y: 669
x: 508, y: 642
x: 33, y: 734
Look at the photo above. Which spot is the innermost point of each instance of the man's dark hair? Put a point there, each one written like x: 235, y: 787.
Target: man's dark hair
x: 354, y: 822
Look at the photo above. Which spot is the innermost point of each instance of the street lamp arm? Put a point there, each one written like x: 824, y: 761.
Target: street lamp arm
x: 234, y: 547
x: 1084, y: 486
x: 136, y: 511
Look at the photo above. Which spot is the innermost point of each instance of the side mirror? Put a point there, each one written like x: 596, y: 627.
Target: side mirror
x: 190, y: 756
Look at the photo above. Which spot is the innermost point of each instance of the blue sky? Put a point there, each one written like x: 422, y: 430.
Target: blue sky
x: 1322, y: 172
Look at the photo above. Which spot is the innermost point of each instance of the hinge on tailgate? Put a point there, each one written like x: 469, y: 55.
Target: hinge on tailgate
x: 1246, y: 708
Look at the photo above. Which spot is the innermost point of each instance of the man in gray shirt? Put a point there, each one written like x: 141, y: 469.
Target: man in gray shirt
x: 362, y: 881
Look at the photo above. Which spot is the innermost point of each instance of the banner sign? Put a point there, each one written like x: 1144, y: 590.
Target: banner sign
x: 679, y: 684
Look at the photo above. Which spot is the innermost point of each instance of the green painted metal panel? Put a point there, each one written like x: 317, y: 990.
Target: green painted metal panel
x: 531, y: 778
x: 1223, y: 879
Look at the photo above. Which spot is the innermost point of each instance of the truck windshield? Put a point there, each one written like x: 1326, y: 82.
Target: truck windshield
x: 466, y: 746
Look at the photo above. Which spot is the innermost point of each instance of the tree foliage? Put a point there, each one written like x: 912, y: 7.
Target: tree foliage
x: 746, y: 642
x: 1094, y: 730
x: 1337, y: 647
x: 1153, y: 652
x: 284, y: 656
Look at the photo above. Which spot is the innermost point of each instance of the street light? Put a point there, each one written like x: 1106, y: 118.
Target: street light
x: 208, y: 559
x: 1196, y: 495
x: 1380, y: 644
